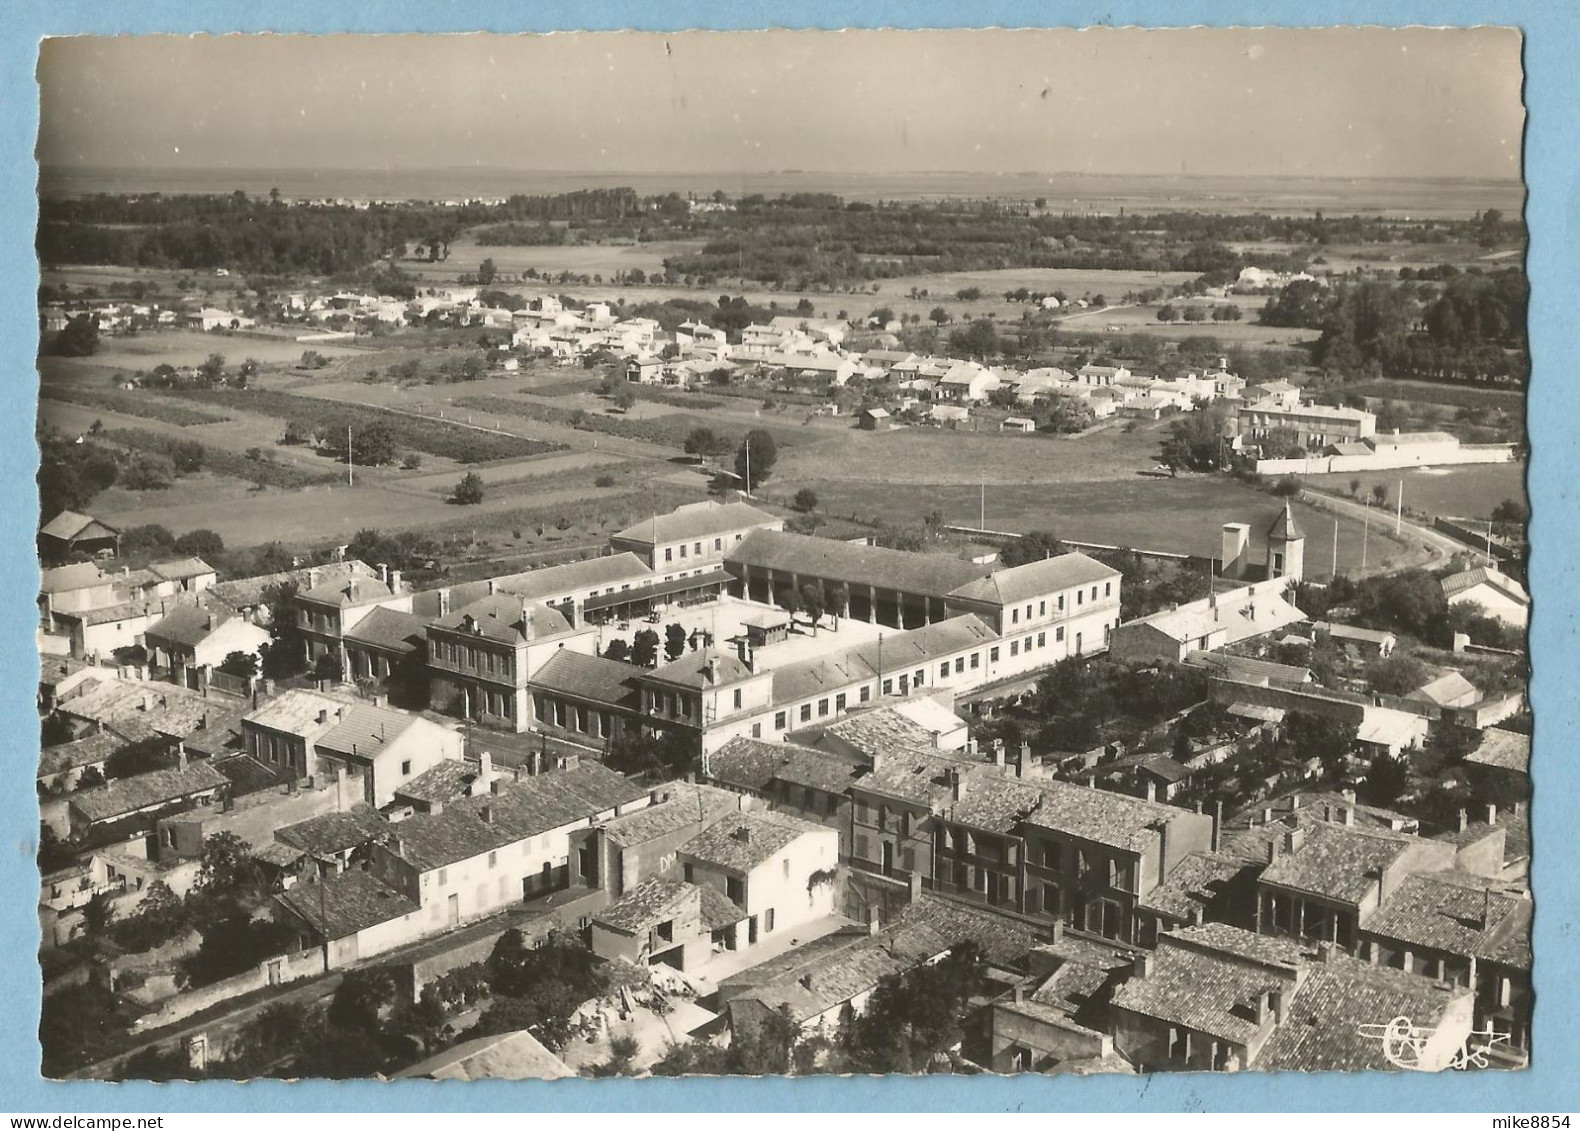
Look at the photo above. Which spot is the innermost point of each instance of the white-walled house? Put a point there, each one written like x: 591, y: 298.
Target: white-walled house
x: 778, y: 869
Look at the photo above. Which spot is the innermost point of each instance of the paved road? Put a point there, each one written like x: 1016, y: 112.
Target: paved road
x: 1424, y: 547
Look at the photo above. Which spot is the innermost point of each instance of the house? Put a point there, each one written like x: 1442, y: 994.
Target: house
x: 1464, y: 929
x: 949, y: 414
x: 213, y: 318
x: 779, y: 870
x: 645, y: 369
x: 128, y: 808
x: 326, y: 612
x: 381, y: 748
x: 622, y: 852
x: 1373, y: 642
x: 503, y: 1056
x: 1216, y: 998
x: 1451, y: 689
x: 186, y: 575
x: 1205, y: 625
x: 190, y: 639
x: 667, y: 922
x: 281, y: 733
x: 387, y: 648
x: 965, y: 381
x: 1498, y: 594
x: 71, y: 533
x: 1317, y: 426
x: 351, y: 916
x: 333, y: 841
x: 874, y: 419
x: 1500, y: 765
x: 1017, y: 424
x: 692, y: 540
x: 808, y: 783
x: 1056, y: 1023
x: 62, y: 678
x: 61, y: 767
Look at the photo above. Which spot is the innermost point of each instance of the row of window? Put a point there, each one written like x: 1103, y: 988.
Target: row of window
x: 482, y: 660
x: 695, y: 548
x: 1016, y: 614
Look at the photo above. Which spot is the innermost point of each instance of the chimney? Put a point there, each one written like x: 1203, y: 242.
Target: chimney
x: 1142, y: 969
x: 323, y: 716
x: 181, y: 754
x: 1464, y: 820
x: 1217, y: 827
x: 877, y: 760
x: 1325, y: 951
x: 915, y: 886
x: 1267, y: 814
x: 1294, y: 803
x: 1019, y: 993
x: 713, y: 670
x: 1272, y: 850
x: 1293, y: 839
x: 956, y: 786
x: 1056, y: 932
x: 486, y: 814
x: 396, y: 846
x: 1347, y: 816
x: 394, y: 581
x: 971, y: 748
x: 384, y: 573
x: 742, y: 834
x: 1023, y: 762
x: 1492, y: 813
x: 312, y: 577
x: 1152, y: 790
x: 485, y: 769
x: 1275, y: 1002
x: 998, y: 753
x: 490, y: 586
x: 1486, y: 909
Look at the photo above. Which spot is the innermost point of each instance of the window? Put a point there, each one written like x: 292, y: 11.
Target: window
x: 718, y: 543
x: 888, y: 687
x: 920, y: 675
x: 1108, y: 589
x: 864, y: 694
x: 839, y: 701
x: 1061, y: 602
x: 861, y: 847
x: 976, y: 660
x: 806, y: 712
x: 1042, y: 639
x: 1094, y: 592
x: 779, y: 721
x: 768, y: 920
x: 736, y: 890
x: 493, y: 858
x: 757, y: 730
x: 1014, y: 616
x: 697, y: 549
x: 687, y: 872
x: 737, y: 698
x: 1080, y: 597
x: 943, y: 670
x: 1042, y: 608
x: 444, y: 875
x: 1058, y: 634
x: 1014, y: 647
x: 992, y: 655
x: 822, y: 707
x: 669, y: 555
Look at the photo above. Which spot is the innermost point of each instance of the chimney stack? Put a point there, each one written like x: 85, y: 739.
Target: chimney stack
x: 1217, y: 826
x: 1152, y: 790
x: 394, y: 581
x: 998, y: 753
x: 486, y: 814
x: 485, y: 770
x: 384, y: 573
x: 181, y: 754
x: 1325, y: 951
x: 1056, y: 932
x: 1486, y: 909
x: 1492, y: 813
x: 956, y: 786
x: 1464, y: 819
x: 915, y: 886
x: 1142, y: 969
x: 713, y: 670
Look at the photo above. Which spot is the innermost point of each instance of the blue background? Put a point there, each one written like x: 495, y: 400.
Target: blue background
x: 1552, y: 91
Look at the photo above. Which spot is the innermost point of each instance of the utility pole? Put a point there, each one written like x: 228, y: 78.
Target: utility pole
x: 1366, y: 530
x: 982, y: 508
x: 1334, y: 572
x: 1398, y: 518
x: 747, y: 443
x: 351, y: 461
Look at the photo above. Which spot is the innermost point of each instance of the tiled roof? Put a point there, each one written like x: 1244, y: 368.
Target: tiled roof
x: 1323, y: 1025
x: 693, y: 670
x: 1002, y: 940
x: 1244, y: 669
x: 921, y: 779
x: 88, y: 751
x: 827, y: 979
x: 1451, y: 689
x: 742, y: 841
x: 296, y: 711
x: 181, y: 569
x: 69, y: 524
x: 696, y: 520
x: 330, y: 833
x: 1198, y: 881
x: 137, y: 710
x: 348, y: 591
x: 1353, y: 632
x: 442, y: 782
x: 1113, y: 819
x: 591, y: 678
x: 1036, y: 579
x: 1230, y: 613
x: 1210, y: 986
x: 994, y: 803
x: 78, y: 575
x: 504, y: 1056
x: 689, y: 805
x: 935, y: 575
x: 897, y: 653
x: 525, y: 808
x: 189, y: 625
x: 249, y: 592
x: 366, y: 727
x: 248, y: 775
x: 345, y: 904
x: 1505, y: 749
x: 645, y: 906
x: 1456, y: 583
x: 55, y: 670
x: 881, y: 731
x: 128, y: 795
x: 1284, y: 525
x: 506, y: 619
x: 1458, y: 914
x: 391, y: 630
x: 1336, y: 861
x: 565, y: 580
x: 112, y: 614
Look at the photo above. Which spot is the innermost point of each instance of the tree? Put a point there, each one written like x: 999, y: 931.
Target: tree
x: 939, y: 315
x: 361, y: 999
x: 1398, y: 674
x: 704, y: 443
x: 213, y: 369
x: 469, y: 491
x: 1032, y: 546
x: 1326, y: 739
x: 805, y: 500
x: 644, y: 648
x: 674, y: 641
x: 790, y: 601
x: 90, y: 778
x: 624, y: 398
x: 225, y: 864
x: 539, y: 988
x: 1380, y: 493
x: 814, y: 601
x: 980, y: 339
x: 754, y: 461
x: 1195, y: 440
x: 618, y: 649
x: 299, y: 432
x: 837, y: 599
x: 1355, y: 488
x: 243, y: 665
x: 79, y: 338
x: 913, y: 1017
x: 97, y: 914
x: 1386, y: 781
x: 1509, y: 513
x: 200, y: 543
x: 373, y: 444
x: 486, y: 272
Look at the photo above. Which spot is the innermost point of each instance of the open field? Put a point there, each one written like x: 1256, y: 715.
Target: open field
x: 580, y: 259
x: 1432, y: 392
x: 1462, y: 492
x: 1180, y: 515
x: 192, y: 347
x: 129, y: 403
x: 1144, y: 320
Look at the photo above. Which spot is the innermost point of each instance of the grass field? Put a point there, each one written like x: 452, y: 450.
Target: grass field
x: 128, y: 403
x: 1462, y: 492
x: 1432, y: 392
x: 586, y: 259
x: 192, y: 347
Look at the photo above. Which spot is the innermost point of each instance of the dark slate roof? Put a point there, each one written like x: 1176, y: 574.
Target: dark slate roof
x: 994, y: 804
x: 1336, y: 861
x: 330, y: 833
x: 935, y: 575
x: 1463, y: 915
x: 128, y: 795
x: 1284, y: 525
x: 390, y: 629
x: 742, y: 841
x: 345, y: 904
x: 592, y: 678
x: 1036, y: 579
x: 1328, y: 1021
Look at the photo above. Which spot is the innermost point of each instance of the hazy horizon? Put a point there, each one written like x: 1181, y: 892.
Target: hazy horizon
x: 1322, y: 103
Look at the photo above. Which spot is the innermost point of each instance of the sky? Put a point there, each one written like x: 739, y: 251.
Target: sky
x: 1354, y: 102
